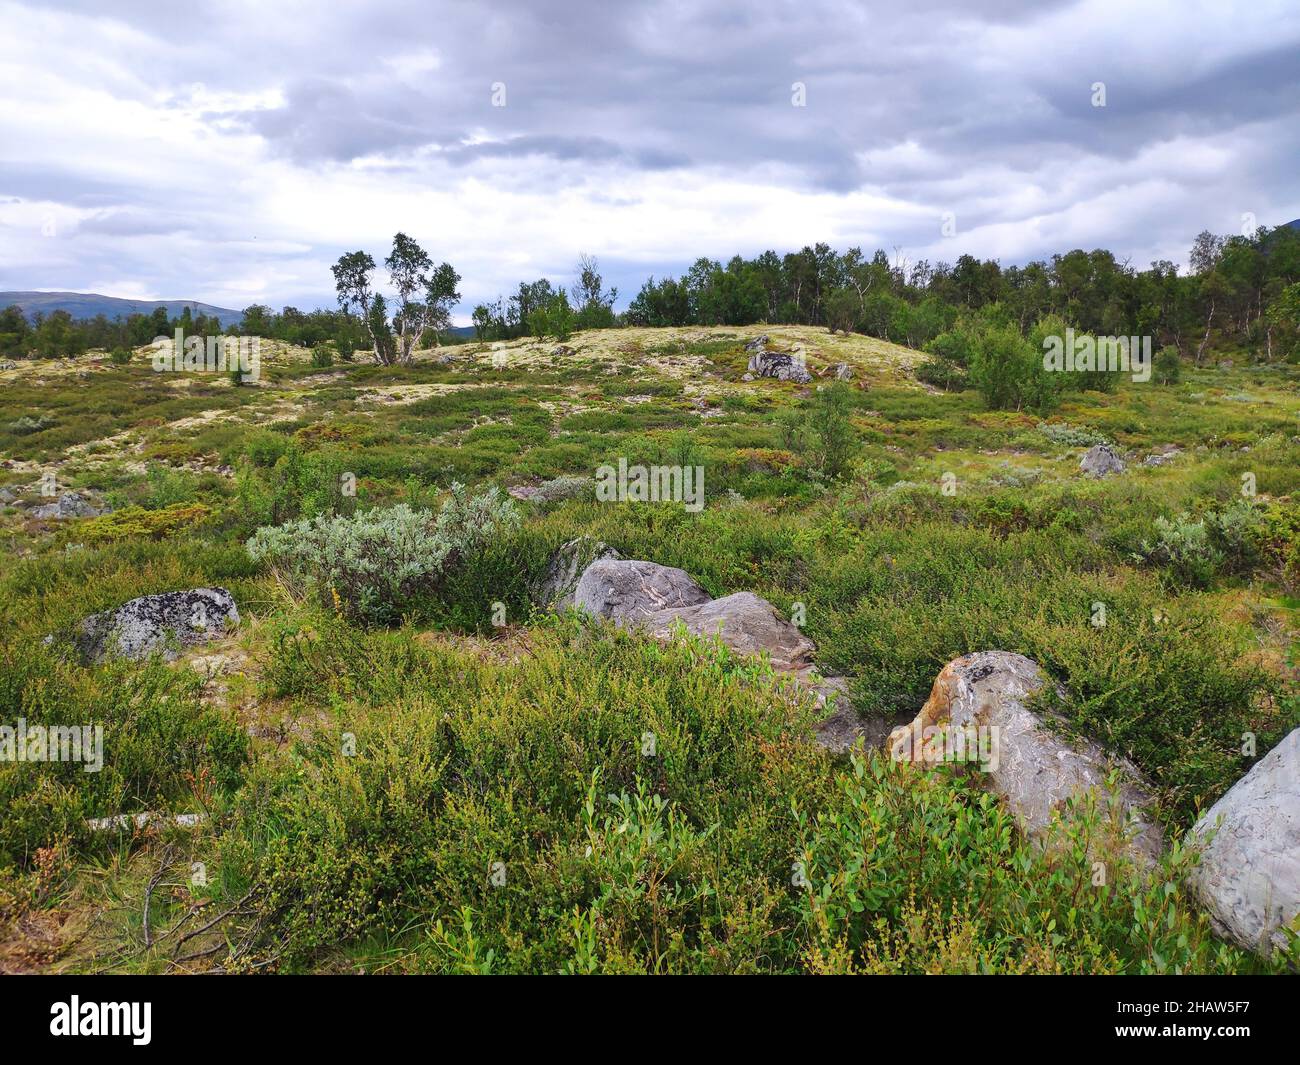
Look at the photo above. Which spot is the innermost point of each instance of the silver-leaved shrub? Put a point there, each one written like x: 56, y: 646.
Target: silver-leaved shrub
x: 377, y: 564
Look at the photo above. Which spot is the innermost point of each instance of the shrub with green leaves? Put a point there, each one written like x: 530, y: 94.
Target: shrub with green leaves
x: 1071, y: 436
x: 907, y: 872
x: 378, y: 564
x: 1196, y: 549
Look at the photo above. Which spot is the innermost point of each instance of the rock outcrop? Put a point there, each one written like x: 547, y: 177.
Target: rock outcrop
x: 164, y: 624
x: 629, y: 593
x: 660, y: 600
x: 766, y: 363
x: 566, y: 566
x: 746, y: 623
x: 781, y: 366
x: 1248, y: 878
x: 68, y: 505
x: 1101, y: 460
x: 977, y: 713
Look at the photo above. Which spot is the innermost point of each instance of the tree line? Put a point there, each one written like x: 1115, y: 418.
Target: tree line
x: 1241, y: 293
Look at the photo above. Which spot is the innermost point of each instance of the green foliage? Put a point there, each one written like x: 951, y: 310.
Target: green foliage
x: 555, y: 318
x: 1167, y: 368
x: 943, y: 374
x: 829, y: 418
x: 162, y: 747
x: 910, y: 872
x: 26, y: 425
x: 378, y: 564
x: 132, y: 522
x: 1008, y: 371
x: 1197, y: 549
x: 1071, y: 436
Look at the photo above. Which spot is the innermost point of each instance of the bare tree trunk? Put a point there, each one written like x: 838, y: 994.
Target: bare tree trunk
x: 1200, y: 351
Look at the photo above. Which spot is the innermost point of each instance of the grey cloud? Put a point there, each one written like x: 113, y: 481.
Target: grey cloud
x: 597, y: 91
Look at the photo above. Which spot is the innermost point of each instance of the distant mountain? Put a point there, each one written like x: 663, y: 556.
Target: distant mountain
x: 89, y: 304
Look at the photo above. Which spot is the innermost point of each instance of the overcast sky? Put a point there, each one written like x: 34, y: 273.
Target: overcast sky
x: 230, y: 151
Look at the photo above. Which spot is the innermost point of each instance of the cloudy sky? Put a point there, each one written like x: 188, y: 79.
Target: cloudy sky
x: 230, y: 151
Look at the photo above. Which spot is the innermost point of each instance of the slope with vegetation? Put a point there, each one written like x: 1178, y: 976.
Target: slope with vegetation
x: 408, y: 768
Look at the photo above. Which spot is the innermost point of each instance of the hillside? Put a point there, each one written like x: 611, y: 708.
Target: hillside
x: 89, y: 305
x: 384, y: 767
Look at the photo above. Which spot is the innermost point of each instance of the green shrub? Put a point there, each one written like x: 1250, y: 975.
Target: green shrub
x: 138, y: 522
x: 379, y: 563
x: 1071, y: 436
x: 1167, y: 366
x: 162, y: 747
x: 909, y: 872
x: 26, y: 425
x: 942, y: 373
x: 1197, y: 549
x: 1008, y: 371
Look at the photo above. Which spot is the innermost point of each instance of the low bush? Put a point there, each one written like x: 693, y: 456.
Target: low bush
x: 378, y: 564
x: 132, y: 522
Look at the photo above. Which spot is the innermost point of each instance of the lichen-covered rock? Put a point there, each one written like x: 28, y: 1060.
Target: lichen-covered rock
x: 555, y: 590
x: 980, y: 699
x: 1248, y: 878
x: 161, y: 624
x: 782, y: 367
x: 69, y: 505
x: 746, y: 623
x: 629, y: 592
x: 1101, y: 460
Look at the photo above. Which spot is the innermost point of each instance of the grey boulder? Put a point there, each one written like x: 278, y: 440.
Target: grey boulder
x: 566, y: 565
x: 1101, y: 460
x: 1034, y: 769
x: 68, y: 505
x: 782, y: 367
x: 746, y: 623
x: 629, y: 592
x: 1248, y: 878
x: 161, y: 624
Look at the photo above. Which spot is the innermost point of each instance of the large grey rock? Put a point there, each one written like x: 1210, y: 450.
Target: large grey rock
x: 757, y: 344
x: 629, y: 592
x: 69, y: 505
x: 1248, y: 878
x: 782, y: 367
x: 162, y: 623
x: 1032, y: 768
x: 1101, y: 460
x: 566, y: 566
x: 746, y: 623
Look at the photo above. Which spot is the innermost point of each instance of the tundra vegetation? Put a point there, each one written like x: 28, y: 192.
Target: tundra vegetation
x: 401, y: 764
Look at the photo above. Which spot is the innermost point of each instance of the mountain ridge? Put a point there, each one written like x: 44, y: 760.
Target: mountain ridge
x: 90, y: 304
